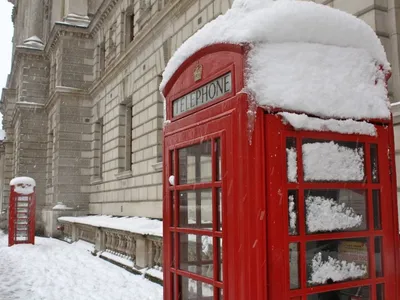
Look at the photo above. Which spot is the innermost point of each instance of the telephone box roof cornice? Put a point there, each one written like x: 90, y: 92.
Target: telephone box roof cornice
x: 303, y: 57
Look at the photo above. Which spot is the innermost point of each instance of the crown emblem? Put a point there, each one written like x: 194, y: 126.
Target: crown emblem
x: 198, y: 72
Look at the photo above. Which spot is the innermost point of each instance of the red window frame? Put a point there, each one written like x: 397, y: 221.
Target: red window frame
x: 277, y: 226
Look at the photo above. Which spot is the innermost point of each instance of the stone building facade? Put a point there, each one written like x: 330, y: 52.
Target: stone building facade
x: 82, y: 110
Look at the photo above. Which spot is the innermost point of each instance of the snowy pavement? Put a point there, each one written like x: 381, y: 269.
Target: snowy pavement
x: 55, y: 270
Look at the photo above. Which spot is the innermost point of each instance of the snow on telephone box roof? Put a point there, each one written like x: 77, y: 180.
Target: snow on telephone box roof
x: 305, y: 57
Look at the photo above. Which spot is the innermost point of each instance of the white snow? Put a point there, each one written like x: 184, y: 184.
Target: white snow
x: 328, y: 161
x: 334, y: 269
x: 328, y: 70
x: 52, y: 269
x: 327, y: 215
x: 292, y: 215
x: 291, y: 164
x: 132, y: 224
x: 23, y: 185
x: 304, y: 122
x: 61, y: 206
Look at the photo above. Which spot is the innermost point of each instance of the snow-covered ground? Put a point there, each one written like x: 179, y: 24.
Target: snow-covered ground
x: 55, y: 270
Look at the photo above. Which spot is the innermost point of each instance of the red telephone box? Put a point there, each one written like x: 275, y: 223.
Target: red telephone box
x: 292, y: 213
x: 21, y: 226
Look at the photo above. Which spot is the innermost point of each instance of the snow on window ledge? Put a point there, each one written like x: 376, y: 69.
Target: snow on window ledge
x: 304, y: 122
x: 327, y: 215
x: 291, y: 164
x: 334, y: 269
x: 328, y: 161
x: 292, y: 215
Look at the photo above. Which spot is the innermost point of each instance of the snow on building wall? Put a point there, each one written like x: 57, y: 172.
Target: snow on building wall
x: 73, y: 103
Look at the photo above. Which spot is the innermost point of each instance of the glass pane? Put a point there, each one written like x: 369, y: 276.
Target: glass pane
x: 374, y: 163
x: 219, y: 203
x: 195, y: 209
x: 172, y: 156
x: 173, y: 286
x: 377, y: 210
x: 357, y: 293
x: 219, y: 255
x: 172, y: 249
x: 294, y: 266
x: 172, y: 209
x: 380, y: 291
x: 335, y: 210
x: 196, y: 254
x: 195, y: 290
x: 195, y: 164
x: 221, y: 294
x: 333, y: 161
x: 218, y: 159
x: 291, y: 159
x: 336, y: 260
x: 378, y: 257
x: 293, y: 212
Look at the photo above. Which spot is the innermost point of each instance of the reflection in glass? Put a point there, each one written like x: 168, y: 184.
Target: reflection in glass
x: 220, y: 260
x: 380, y: 291
x: 172, y: 156
x: 218, y: 159
x: 172, y: 209
x: 293, y: 212
x: 335, y: 210
x: 291, y: 159
x: 196, y: 254
x: 374, y: 163
x: 333, y: 161
x: 336, y: 260
x: 377, y: 210
x: 294, y: 265
x: 172, y: 247
x: 195, y: 164
x: 195, y: 290
x: 378, y: 256
x: 362, y: 293
x: 221, y: 294
x: 195, y: 209
x: 219, y: 204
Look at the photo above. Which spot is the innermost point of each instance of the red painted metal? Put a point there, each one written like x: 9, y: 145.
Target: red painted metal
x: 21, y: 219
x: 255, y: 236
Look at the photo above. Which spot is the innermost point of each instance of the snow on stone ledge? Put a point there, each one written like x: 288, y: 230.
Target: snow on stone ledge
x: 23, y: 185
x: 304, y: 122
x: 328, y: 70
x: 138, y: 225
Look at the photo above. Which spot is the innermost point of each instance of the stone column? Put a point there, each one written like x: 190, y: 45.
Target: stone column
x: 34, y: 24
x: 76, y: 12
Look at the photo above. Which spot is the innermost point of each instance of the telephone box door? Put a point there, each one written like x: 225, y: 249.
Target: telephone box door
x: 194, y: 210
x: 332, y: 214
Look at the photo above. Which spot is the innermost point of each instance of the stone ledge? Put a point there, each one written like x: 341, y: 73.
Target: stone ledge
x: 136, y: 240
x: 123, y: 174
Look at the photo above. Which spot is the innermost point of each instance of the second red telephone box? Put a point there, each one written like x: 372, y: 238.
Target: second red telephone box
x: 21, y: 227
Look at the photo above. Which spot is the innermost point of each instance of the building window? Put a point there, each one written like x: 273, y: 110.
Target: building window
x: 50, y: 159
x: 112, y: 43
x: 98, y: 148
x: 126, y: 136
x: 130, y: 26
x: 102, y: 58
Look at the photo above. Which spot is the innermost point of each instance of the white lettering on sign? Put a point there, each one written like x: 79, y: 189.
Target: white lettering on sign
x: 209, y: 92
